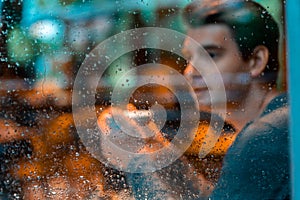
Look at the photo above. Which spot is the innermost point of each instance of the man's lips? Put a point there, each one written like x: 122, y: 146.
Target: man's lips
x: 198, y: 84
x: 200, y: 89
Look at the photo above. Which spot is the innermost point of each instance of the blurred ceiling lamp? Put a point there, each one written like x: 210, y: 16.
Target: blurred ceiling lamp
x: 49, y: 33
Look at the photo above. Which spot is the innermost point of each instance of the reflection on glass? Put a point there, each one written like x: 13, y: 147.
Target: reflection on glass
x: 44, y: 45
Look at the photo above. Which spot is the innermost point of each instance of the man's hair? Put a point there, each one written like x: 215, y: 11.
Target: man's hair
x: 251, y: 25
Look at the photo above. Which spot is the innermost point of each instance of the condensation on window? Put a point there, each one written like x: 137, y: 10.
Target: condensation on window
x: 97, y: 101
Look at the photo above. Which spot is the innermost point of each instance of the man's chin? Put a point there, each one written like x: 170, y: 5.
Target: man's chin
x: 206, y: 106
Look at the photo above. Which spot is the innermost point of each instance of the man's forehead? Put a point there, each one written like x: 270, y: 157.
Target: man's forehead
x: 208, y: 34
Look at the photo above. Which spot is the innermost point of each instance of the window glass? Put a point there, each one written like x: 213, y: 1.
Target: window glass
x: 144, y: 99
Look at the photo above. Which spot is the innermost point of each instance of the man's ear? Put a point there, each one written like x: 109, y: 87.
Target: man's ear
x: 258, y: 60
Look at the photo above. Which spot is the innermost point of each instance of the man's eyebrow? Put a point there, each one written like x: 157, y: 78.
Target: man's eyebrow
x: 211, y: 46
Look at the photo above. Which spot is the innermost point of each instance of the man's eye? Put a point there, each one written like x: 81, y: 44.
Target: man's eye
x: 212, y: 54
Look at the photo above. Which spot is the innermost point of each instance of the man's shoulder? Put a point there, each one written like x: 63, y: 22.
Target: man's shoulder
x: 277, y: 119
x: 270, y: 130
x: 257, y: 164
x: 274, y: 119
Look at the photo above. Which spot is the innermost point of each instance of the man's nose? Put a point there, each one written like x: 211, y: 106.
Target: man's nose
x: 190, y: 72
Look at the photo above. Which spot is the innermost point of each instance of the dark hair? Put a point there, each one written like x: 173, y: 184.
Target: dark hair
x: 251, y: 25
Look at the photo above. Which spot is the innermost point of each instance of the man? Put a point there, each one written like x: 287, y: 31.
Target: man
x: 242, y: 39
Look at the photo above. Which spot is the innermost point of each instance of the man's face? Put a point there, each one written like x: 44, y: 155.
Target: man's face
x: 218, y: 42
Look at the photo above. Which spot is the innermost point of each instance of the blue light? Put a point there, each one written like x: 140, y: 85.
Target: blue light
x: 293, y: 32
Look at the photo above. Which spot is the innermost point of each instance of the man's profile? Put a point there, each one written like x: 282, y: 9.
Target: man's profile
x: 242, y: 38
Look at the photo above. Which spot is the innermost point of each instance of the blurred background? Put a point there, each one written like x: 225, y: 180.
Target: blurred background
x: 42, y: 45
x: 48, y: 40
